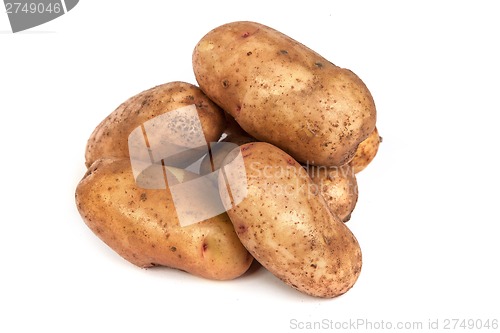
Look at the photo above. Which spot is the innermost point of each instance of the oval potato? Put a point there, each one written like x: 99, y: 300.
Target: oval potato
x: 285, y: 224
x: 110, y: 138
x: 142, y: 226
x: 281, y: 92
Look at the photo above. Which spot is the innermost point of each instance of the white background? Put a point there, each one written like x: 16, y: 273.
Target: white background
x: 427, y: 217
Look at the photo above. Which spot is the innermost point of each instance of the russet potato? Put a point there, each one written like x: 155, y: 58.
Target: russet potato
x: 284, y: 222
x: 142, y: 225
x: 283, y: 93
x: 110, y: 137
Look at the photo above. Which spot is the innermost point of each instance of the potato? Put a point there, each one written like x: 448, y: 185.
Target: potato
x: 185, y: 144
x: 366, y: 151
x: 281, y: 92
x: 142, y: 225
x: 338, y: 186
x: 285, y: 224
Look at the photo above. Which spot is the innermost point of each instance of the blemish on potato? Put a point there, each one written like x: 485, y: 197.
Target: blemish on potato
x: 241, y: 229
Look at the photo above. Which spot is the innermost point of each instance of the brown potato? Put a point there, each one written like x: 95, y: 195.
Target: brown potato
x: 142, y: 224
x: 281, y: 92
x: 339, y: 187
x: 285, y: 224
x: 110, y: 138
x: 366, y: 151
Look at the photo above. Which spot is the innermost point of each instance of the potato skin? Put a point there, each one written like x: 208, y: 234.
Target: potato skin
x: 110, y: 138
x: 282, y: 92
x: 366, y: 151
x: 142, y: 226
x: 338, y: 186
x: 286, y: 225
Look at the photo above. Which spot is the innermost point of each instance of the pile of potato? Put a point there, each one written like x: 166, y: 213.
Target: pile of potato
x: 300, y: 128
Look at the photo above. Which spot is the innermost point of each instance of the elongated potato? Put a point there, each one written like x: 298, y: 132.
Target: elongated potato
x: 366, y: 151
x: 142, y: 225
x: 282, y: 92
x: 110, y: 138
x: 338, y: 186
x: 285, y: 224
